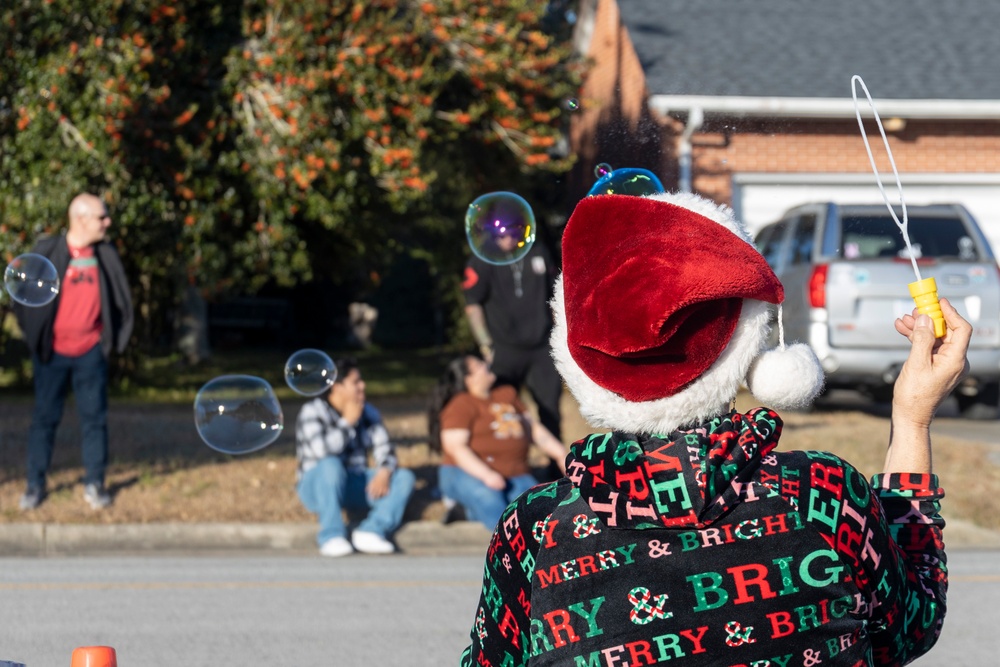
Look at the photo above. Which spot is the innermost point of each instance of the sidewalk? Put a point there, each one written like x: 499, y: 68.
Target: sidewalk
x: 40, y: 539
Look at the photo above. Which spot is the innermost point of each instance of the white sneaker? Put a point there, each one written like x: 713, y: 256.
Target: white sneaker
x: 336, y: 547
x: 371, y: 543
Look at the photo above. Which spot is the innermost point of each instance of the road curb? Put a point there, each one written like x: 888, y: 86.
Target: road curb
x: 41, y: 539
x: 415, y: 537
x: 22, y: 539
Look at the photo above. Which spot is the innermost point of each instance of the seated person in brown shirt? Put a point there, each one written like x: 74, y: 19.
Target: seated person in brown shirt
x: 484, y: 433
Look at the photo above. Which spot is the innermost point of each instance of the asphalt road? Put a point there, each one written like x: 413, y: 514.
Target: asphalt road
x: 305, y: 611
x: 240, y: 610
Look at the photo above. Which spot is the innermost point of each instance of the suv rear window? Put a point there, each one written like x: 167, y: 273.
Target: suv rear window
x: 868, y: 237
x: 770, y: 241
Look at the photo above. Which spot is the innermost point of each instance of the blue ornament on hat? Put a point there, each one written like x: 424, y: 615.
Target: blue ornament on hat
x: 626, y: 181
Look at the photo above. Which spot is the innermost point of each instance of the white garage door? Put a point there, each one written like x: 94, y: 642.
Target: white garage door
x: 761, y: 198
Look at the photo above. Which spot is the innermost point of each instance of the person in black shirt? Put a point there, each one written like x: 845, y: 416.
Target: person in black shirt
x: 508, y: 312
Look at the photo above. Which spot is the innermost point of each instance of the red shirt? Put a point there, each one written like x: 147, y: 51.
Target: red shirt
x: 77, y: 327
x: 498, y: 433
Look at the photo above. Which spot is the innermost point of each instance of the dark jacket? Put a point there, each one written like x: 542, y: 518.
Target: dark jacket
x: 705, y: 547
x: 116, y: 301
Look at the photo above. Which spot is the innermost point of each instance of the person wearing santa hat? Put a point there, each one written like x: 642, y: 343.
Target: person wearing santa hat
x: 681, y: 533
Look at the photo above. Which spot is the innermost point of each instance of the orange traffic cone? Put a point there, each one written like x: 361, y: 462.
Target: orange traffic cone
x: 94, y: 656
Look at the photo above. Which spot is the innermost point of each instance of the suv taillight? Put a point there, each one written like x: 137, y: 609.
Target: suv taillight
x: 817, y: 287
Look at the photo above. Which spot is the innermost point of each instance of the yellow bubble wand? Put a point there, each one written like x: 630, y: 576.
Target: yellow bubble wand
x: 924, y: 290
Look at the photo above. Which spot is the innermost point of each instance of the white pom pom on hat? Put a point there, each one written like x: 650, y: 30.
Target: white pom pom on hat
x: 786, y: 378
x: 661, y: 311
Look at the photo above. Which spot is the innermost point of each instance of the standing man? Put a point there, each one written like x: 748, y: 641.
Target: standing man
x: 334, y: 434
x: 508, y: 311
x: 70, y: 340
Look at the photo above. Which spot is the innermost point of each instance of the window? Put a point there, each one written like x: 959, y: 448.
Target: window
x: 803, y: 240
x: 769, y: 243
x: 868, y: 237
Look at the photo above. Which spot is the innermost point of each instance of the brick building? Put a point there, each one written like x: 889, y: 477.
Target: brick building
x: 750, y: 103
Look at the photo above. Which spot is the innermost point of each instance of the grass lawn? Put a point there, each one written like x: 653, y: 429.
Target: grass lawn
x: 386, y: 373
x: 161, y: 471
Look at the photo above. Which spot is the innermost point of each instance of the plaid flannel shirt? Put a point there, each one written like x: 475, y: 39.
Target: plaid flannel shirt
x: 320, y: 431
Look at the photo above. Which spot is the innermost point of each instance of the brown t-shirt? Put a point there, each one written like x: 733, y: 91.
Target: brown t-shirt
x: 498, y: 432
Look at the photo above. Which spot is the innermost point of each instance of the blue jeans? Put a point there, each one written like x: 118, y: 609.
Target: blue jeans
x: 329, y: 487
x: 88, y: 376
x: 481, y: 503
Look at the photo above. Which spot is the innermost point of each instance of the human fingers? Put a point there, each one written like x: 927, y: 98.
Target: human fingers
x: 959, y: 330
x: 951, y: 358
x: 376, y: 490
x: 496, y: 482
x: 921, y: 344
x: 918, y: 389
x: 933, y: 368
x: 353, y: 411
x: 904, y: 325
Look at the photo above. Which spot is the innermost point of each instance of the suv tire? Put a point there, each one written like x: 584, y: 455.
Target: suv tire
x: 983, y: 406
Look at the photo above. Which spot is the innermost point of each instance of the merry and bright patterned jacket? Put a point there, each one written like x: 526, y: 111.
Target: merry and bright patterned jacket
x: 705, y: 547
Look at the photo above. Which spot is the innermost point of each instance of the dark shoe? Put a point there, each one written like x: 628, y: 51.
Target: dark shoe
x: 453, y: 512
x: 32, y: 498
x: 96, y: 496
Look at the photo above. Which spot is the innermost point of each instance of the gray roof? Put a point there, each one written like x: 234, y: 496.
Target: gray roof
x: 903, y: 49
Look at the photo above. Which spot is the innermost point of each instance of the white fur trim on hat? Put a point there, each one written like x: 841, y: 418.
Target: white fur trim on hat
x: 783, y: 378
x: 706, y: 397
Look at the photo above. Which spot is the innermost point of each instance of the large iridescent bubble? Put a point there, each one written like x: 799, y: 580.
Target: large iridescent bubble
x: 237, y: 414
x: 626, y: 181
x: 500, y: 227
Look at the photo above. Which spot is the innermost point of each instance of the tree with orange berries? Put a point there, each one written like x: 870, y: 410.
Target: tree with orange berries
x: 281, y: 142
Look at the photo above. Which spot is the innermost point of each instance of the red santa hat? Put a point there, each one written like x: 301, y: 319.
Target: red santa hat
x: 662, y: 312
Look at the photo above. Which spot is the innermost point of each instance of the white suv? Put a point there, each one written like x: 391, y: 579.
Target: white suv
x: 845, y: 270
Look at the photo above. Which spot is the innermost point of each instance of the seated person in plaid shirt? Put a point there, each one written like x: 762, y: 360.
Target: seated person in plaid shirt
x: 334, y: 434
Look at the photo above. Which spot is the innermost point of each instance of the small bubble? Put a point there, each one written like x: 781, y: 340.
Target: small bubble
x: 602, y: 170
x: 31, y: 280
x: 310, y: 372
x: 571, y: 104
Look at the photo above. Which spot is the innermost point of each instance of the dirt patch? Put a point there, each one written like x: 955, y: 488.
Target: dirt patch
x: 162, y: 472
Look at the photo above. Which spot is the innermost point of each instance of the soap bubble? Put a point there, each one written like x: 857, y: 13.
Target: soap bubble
x: 627, y: 181
x: 500, y: 227
x: 237, y: 414
x: 571, y: 104
x: 310, y: 372
x: 31, y: 280
x: 602, y: 170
